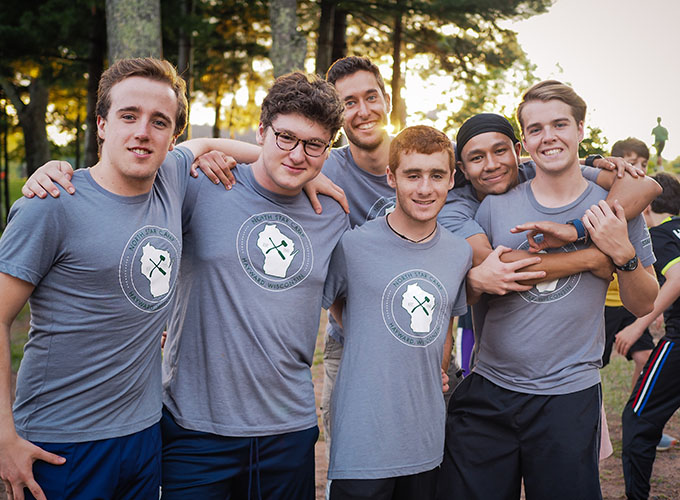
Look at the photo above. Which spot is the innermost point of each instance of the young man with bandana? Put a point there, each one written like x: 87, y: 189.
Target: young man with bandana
x: 533, y: 364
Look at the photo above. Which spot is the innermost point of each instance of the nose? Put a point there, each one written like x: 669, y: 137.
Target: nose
x: 142, y: 129
x: 363, y: 108
x: 548, y: 134
x: 297, y: 154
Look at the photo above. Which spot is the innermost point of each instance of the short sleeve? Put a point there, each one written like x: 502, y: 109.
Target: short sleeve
x: 667, y: 249
x: 639, y: 237
x: 591, y: 173
x: 32, y: 241
x: 336, y: 279
x: 483, y: 216
x: 458, y: 215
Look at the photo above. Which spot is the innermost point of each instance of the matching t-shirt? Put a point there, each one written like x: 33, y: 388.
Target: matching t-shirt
x: 368, y: 195
x: 104, y: 268
x: 242, y: 334
x: 548, y: 340
x: 388, y: 409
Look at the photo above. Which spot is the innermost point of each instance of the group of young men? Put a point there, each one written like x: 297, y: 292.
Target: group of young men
x: 240, y: 276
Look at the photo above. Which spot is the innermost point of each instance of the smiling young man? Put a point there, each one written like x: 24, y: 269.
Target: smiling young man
x: 99, y: 269
x: 388, y: 411
x: 530, y: 411
x: 240, y: 412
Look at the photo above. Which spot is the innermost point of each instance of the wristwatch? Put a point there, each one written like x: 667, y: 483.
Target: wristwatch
x: 631, y: 265
x: 581, y: 233
x: 591, y: 158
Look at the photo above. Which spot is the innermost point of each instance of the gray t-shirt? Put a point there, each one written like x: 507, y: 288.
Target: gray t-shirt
x: 458, y: 214
x: 105, y: 268
x: 388, y: 408
x: 548, y: 340
x: 369, y: 196
x: 242, y: 334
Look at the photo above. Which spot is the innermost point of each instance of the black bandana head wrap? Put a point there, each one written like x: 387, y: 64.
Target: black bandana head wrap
x: 480, y: 124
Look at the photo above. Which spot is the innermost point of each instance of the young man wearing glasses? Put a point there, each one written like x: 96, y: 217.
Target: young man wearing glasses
x: 240, y: 412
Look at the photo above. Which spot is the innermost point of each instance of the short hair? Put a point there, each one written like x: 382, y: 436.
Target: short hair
x: 349, y: 65
x: 307, y: 95
x: 549, y: 90
x: 668, y: 202
x: 630, y: 145
x: 420, y: 139
x: 159, y: 70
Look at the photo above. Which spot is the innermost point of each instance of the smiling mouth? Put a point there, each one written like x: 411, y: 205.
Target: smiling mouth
x: 495, y: 178
x: 551, y: 152
x: 367, y: 126
x: 140, y: 151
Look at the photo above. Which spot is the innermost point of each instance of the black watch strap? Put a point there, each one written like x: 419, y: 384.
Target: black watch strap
x: 631, y: 265
x: 590, y: 159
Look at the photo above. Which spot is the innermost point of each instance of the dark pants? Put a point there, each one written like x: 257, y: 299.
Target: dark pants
x: 413, y: 487
x: 208, y: 466
x: 495, y: 438
x: 121, y: 468
x: 655, y: 398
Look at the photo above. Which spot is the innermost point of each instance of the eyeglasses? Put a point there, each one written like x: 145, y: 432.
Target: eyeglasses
x: 311, y: 147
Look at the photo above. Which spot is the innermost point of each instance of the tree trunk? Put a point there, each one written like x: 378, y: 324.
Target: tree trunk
x: 95, y: 67
x: 288, y: 46
x: 398, y: 115
x: 324, y: 41
x: 185, y: 60
x: 218, y: 110
x: 32, y: 122
x: 133, y: 29
x: 5, y: 169
x: 339, y: 35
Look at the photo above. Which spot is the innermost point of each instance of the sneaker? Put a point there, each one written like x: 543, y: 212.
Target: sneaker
x: 666, y: 443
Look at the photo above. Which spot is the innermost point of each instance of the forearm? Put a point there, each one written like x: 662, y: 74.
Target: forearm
x: 448, y: 347
x: 242, y: 152
x: 560, y: 264
x: 638, y: 290
x: 668, y: 294
x: 633, y: 193
x: 6, y: 418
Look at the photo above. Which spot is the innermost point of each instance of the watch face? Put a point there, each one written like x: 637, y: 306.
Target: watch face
x: 631, y: 265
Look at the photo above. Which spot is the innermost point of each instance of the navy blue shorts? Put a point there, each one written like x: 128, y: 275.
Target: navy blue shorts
x: 208, y: 466
x: 120, y: 468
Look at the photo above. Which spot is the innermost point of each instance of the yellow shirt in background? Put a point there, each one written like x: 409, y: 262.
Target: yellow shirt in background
x: 613, y: 299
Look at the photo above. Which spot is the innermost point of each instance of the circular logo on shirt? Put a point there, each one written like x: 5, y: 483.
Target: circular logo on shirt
x: 274, y: 251
x: 551, y: 291
x: 382, y: 206
x: 413, y: 307
x: 148, y: 267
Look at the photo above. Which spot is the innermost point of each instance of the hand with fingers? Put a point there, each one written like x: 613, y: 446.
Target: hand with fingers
x: 217, y: 167
x: 555, y: 235
x: 608, y: 229
x: 16, y: 466
x: 497, y: 277
x: 619, y: 165
x: 627, y: 337
x: 323, y: 185
x: 44, y: 178
x: 445, y: 381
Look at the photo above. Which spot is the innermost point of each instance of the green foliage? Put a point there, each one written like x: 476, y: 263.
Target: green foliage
x: 593, y: 143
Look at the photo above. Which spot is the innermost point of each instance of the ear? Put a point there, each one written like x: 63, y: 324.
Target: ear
x: 518, y: 150
x: 452, y: 179
x: 101, y: 126
x: 388, y: 103
x: 461, y: 167
x: 391, y: 180
x: 580, y: 131
x: 259, y: 135
x: 172, y: 143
